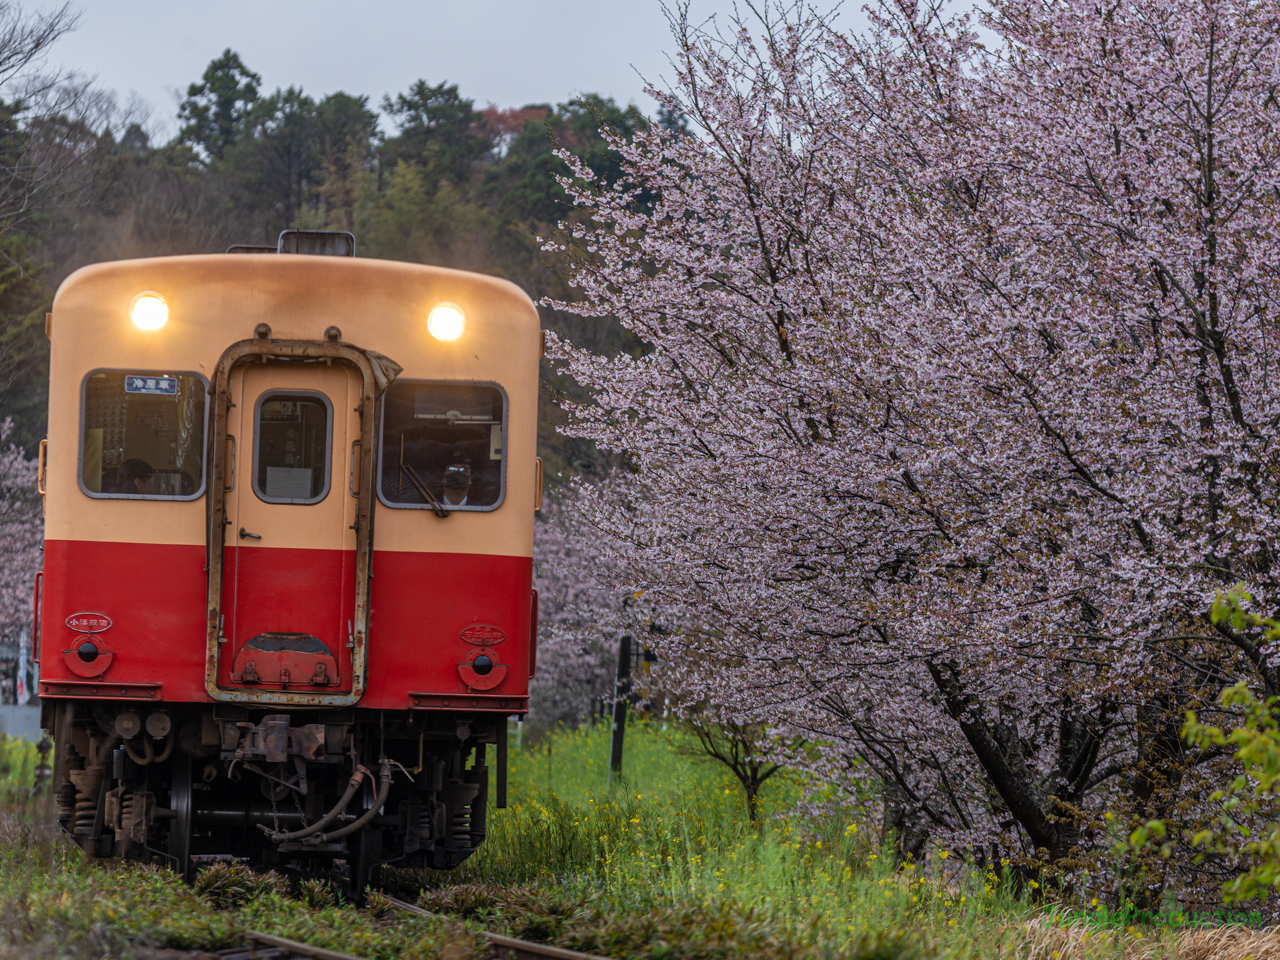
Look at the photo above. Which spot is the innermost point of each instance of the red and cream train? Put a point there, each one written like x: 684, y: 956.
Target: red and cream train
x: 286, y: 604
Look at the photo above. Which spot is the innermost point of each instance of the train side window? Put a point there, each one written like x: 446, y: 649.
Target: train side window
x: 443, y: 444
x: 291, y: 446
x: 142, y: 435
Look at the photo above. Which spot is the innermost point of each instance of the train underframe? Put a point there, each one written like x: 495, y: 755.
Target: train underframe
x: 290, y: 789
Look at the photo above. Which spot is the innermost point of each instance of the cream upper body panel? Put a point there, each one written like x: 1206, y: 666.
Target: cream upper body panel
x: 216, y: 300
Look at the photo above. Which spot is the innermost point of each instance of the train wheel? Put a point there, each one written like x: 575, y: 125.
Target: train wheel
x: 180, y: 803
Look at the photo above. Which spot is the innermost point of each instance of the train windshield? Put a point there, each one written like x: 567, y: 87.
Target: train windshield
x: 291, y: 455
x: 143, y: 435
x: 442, y: 446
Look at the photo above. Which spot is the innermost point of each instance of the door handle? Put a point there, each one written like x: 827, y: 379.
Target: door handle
x: 251, y: 536
x: 40, y: 458
x: 35, y: 619
x: 355, y: 466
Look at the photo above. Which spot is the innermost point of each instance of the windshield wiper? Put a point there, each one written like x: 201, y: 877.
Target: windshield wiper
x: 436, y: 506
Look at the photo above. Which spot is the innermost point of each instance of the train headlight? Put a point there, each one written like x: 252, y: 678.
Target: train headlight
x: 446, y: 321
x: 149, y: 311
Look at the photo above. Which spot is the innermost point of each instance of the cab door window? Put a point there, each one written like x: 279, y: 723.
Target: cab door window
x: 443, y: 445
x: 291, y: 447
x: 142, y: 435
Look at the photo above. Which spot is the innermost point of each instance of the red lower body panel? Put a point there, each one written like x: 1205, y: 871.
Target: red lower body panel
x: 423, y: 611
x: 422, y: 607
x: 155, y: 597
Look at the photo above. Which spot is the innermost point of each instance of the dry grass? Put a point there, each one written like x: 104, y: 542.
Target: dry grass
x: 1044, y: 940
x: 1230, y: 943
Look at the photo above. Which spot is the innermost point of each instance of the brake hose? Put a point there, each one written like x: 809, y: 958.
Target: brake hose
x: 352, y: 786
x: 151, y: 756
x: 384, y: 788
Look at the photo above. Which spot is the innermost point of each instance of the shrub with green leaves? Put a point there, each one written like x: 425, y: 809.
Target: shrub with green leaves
x: 227, y: 885
x: 1250, y: 798
x: 316, y: 893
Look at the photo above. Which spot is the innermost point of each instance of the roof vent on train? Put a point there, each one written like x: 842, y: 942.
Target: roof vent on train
x: 322, y: 243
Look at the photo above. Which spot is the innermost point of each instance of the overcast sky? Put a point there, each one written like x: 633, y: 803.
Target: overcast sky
x: 508, y: 52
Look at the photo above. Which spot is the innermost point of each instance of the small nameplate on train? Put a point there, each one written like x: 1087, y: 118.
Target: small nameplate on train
x: 164, y: 386
x: 89, y: 622
x: 483, y: 635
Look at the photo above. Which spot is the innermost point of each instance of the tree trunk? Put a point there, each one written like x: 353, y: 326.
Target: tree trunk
x: 902, y: 825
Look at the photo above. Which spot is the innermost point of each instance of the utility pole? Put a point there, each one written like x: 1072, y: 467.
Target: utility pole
x: 621, y: 688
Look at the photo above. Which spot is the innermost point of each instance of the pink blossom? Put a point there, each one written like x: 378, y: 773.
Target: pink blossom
x: 961, y: 394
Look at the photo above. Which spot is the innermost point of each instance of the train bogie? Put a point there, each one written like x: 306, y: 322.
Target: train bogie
x: 180, y: 782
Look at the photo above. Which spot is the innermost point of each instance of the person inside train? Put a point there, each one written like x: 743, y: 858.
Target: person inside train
x: 457, y: 484
x: 135, y: 476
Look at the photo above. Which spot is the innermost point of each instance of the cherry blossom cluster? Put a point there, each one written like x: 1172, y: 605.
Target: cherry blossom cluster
x: 21, y: 536
x: 960, y: 395
x: 580, y: 618
x: 21, y: 531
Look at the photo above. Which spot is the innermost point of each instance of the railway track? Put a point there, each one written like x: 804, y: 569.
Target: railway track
x: 264, y: 946
x: 508, y: 948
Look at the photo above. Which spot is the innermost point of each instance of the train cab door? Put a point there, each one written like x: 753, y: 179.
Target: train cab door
x: 289, y: 555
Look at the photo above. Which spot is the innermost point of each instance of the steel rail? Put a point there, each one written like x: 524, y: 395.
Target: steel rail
x: 279, y: 948
x: 265, y: 946
x: 508, y: 948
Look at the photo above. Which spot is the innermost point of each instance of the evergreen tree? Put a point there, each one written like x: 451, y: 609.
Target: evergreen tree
x: 215, y: 108
x: 276, y: 161
x: 439, y: 129
x: 347, y: 129
x: 24, y: 349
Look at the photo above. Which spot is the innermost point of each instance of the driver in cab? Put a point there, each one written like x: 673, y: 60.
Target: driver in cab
x: 457, y: 484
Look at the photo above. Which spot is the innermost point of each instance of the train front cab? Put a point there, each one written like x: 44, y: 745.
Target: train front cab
x: 286, y: 603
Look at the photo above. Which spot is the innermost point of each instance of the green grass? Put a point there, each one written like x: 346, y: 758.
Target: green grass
x: 56, y: 903
x: 664, y: 864
x: 574, y: 765
x: 18, y: 759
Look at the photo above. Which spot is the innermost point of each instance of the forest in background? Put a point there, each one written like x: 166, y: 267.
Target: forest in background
x: 449, y: 184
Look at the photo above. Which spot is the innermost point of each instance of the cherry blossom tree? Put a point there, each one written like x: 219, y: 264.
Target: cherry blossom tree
x: 21, y: 540
x: 21, y: 531
x: 580, y: 619
x: 960, y: 398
